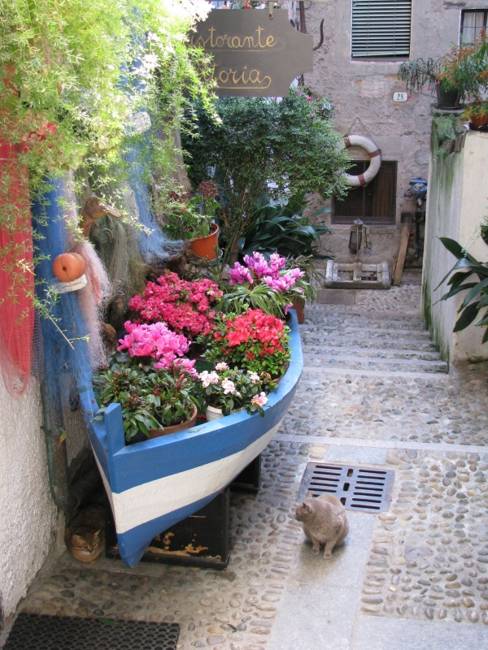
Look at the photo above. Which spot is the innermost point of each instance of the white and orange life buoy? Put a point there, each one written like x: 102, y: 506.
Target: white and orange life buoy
x: 374, y: 155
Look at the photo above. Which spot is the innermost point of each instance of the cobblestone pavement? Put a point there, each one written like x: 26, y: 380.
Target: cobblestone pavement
x: 375, y: 392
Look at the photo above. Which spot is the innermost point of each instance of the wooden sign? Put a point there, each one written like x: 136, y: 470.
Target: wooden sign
x: 254, y: 54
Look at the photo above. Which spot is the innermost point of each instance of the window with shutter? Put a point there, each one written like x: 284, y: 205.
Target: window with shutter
x: 381, y: 28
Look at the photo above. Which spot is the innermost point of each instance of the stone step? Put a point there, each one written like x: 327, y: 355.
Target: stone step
x: 373, y: 353
x: 328, y: 360
x: 316, y: 373
x: 370, y: 344
x: 363, y: 332
x: 391, y: 342
x: 359, y: 319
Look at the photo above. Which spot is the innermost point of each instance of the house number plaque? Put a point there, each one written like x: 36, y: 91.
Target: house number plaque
x: 254, y: 54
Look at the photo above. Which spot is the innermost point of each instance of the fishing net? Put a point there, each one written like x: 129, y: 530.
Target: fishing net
x: 154, y: 246
x: 93, y: 297
x: 16, y: 276
x: 65, y: 334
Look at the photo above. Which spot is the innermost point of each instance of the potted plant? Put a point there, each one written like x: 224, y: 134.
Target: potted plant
x: 420, y: 72
x: 271, y: 283
x: 154, y: 402
x: 254, y: 341
x: 260, y: 147
x: 231, y: 389
x: 477, y: 114
x: 186, y: 306
x: 193, y: 218
x: 459, y: 75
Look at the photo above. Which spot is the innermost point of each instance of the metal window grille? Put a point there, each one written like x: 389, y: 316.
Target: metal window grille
x: 381, y: 28
x: 473, y: 23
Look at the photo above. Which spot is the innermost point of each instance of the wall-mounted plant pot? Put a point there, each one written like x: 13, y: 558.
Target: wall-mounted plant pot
x: 447, y: 99
x: 478, y: 123
x: 206, y: 247
x: 156, y: 433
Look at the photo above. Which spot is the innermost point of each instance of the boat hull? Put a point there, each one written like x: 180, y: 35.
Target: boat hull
x: 153, y: 485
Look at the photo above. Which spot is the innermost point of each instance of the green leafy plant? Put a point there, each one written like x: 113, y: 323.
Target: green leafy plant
x: 77, y: 80
x: 461, y: 73
x: 283, y: 229
x: 259, y: 147
x: 150, y: 399
x: 187, y: 217
x: 238, y: 299
x: 470, y: 276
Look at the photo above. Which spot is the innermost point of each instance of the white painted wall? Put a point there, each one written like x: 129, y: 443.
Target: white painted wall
x: 457, y: 204
x: 27, y: 512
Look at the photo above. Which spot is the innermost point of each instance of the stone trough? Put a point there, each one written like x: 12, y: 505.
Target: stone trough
x: 357, y: 275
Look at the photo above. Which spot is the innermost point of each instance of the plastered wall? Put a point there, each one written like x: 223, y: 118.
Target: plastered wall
x: 27, y: 513
x: 457, y: 204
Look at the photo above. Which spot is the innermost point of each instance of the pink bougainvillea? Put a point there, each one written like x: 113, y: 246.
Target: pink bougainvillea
x: 185, y: 306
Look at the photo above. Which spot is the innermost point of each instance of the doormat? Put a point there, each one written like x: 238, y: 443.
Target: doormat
x: 39, y: 632
x: 358, y: 488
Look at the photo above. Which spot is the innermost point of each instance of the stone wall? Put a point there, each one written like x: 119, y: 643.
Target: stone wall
x: 27, y: 512
x: 362, y: 94
x: 457, y: 204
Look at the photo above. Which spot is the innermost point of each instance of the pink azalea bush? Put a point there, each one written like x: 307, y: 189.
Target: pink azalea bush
x: 185, y: 306
x: 155, y: 341
x: 271, y: 272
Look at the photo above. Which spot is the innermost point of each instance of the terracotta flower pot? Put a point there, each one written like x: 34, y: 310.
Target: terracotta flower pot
x: 156, y: 433
x: 206, y: 247
x: 299, y: 307
x: 478, y: 122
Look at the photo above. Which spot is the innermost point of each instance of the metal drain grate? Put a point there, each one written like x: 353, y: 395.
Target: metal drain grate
x: 358, y: 488
x: 39, y: 632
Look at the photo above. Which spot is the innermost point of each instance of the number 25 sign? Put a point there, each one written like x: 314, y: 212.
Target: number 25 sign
x: 254, y: 54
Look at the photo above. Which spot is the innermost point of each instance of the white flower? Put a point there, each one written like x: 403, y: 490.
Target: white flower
x: 208, y: 378
x: 229, y: 387
x: 221, y: 366
x: 253, y: 376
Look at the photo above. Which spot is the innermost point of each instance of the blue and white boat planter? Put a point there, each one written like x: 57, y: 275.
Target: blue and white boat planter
x: 155, y: 484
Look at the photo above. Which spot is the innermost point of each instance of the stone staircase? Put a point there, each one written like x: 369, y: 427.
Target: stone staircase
x: 345, y: 339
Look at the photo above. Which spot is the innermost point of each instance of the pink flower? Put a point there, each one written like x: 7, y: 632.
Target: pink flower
x: 259, y: 400
x: 221, y: 366
x: 186, y: 365
x: 155, y: 341
x: 257, y: 264
x: 185, y: 306
x: 254, y: 377
x: 239, y: 274
x: 229, y: 387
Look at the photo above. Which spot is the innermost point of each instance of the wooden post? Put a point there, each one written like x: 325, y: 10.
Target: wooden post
x: 402, y: 253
